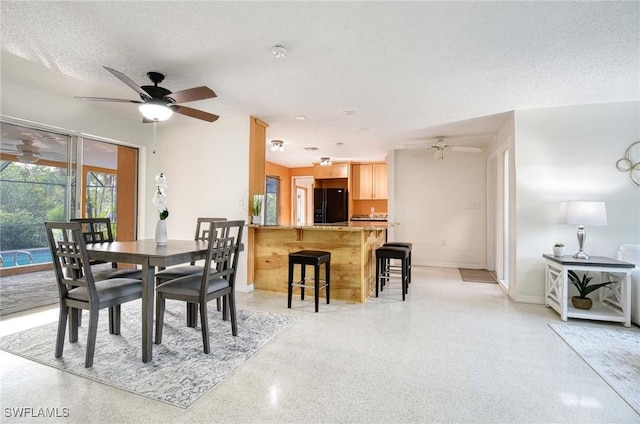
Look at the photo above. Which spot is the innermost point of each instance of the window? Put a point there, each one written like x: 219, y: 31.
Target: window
x: 272, y: 200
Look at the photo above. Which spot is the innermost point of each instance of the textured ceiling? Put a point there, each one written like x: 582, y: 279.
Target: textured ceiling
x: 410, y: 70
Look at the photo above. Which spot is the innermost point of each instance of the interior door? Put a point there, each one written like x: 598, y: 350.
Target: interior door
x: 301, y: 205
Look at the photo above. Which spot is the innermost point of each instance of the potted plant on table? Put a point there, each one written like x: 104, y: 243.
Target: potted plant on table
x: 558, y: 249
x: 584, y: 288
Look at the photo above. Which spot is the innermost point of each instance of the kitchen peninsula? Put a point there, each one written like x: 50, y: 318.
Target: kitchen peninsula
x: 352, y: 246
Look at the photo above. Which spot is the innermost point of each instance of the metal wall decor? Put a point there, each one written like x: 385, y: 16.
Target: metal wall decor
x: 630, y: 164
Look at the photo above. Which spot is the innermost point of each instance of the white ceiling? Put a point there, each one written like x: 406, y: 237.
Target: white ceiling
x: 410, y: 70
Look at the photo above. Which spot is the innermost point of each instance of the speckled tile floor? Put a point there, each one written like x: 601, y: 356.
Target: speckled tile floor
x: 454, y: 352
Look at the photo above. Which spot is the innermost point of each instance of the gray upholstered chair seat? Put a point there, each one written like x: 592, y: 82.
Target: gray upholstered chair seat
x: 117, y: 273
x: 109, y: 290
x: 190, y: 285
x: 179, y: 271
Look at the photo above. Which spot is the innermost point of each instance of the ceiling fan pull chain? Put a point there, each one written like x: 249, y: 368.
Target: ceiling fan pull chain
x: 154, y: 136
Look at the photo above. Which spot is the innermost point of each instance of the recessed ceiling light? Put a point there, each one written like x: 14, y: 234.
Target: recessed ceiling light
x: 279, y: 51
x: 339, y: 143
x: 349, y: 112
x: 310, y: 149
x: 301, y: 117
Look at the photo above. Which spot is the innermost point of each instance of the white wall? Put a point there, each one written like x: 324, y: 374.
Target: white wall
x: 569, y: 153
x: 431, y: 200
x: 206, y: 163
x: 207, y: 169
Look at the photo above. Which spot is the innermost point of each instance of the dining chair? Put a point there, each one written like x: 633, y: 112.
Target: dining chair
x: 216, y: 280
x: 202, y: 234
x: 98, y: 230
x: 79, y: 290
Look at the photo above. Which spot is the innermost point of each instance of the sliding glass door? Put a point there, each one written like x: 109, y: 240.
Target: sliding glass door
x: 51, y: 176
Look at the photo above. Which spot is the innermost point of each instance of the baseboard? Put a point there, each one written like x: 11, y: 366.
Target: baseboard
x: 244, y: 288
x: 530, y: 299
x: 451, y: 265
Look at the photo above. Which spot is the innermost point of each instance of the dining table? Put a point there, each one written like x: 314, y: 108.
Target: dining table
x: 149, y: 256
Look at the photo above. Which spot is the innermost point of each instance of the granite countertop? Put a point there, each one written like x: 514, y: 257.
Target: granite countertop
x: 341, y: 226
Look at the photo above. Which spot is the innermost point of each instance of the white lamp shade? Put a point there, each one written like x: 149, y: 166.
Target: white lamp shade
x: 591, y: 214
x: 155, y: 112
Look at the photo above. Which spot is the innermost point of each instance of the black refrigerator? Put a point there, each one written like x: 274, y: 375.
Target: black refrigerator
x: 330, y: 205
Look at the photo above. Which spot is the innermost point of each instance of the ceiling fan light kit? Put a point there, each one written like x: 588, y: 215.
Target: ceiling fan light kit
x: 155, y: 111
x: 157, y: 103
x: 325, y: 161
x: 28, y: 157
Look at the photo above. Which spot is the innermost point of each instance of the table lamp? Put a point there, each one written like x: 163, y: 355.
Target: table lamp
x: 583, y: 213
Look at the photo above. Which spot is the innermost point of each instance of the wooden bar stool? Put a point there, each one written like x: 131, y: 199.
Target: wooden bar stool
x: 408, y: 246
x: 314, y: 258
x: 383, y: 274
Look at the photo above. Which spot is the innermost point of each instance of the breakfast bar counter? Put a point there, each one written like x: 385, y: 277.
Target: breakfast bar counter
x: 352, y: 246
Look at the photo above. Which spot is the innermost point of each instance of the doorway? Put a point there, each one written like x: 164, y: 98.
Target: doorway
x: 301, y: 205
x: 499, y: 179
x: 302, y: 202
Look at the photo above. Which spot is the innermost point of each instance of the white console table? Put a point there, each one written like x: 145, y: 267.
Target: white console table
x: 613, y: 301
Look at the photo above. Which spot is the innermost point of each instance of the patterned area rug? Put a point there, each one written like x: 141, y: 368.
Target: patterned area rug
x: 612, y: 353
x: 477, y: 275
x: 180, y: 372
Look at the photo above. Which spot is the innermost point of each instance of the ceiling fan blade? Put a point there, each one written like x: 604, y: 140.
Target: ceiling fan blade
x: 106, y: 99
x: 192, y: 94
x: 125, y: 79
x: 195, y: 113
x: 466, y: 149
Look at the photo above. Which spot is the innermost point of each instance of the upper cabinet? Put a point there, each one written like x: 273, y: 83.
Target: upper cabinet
x: 369, y: 181
x: 337, y: 170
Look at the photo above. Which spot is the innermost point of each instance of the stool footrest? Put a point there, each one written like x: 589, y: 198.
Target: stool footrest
x: 308, y: 285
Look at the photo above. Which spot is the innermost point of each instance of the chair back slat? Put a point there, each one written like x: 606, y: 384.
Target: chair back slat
x: 96, y: 230
x: 202, y: 228
x: 225, y: 241
x: 69, y: 254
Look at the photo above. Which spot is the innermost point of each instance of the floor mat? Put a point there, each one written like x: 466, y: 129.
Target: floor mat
x: 477, y: 275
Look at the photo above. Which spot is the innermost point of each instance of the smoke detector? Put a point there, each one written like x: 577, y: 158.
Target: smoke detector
x: 279, y: 51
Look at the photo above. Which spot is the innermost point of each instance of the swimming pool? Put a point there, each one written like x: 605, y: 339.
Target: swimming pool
x: 22, y: 257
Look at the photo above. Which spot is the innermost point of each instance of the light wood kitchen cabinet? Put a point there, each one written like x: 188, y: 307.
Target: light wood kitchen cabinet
x: 337, y: 170
x: 369, y: 181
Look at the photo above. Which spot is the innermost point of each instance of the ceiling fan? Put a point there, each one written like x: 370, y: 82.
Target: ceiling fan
x: 29, y: 153
x: 157, y: 103
x: 440, y: 146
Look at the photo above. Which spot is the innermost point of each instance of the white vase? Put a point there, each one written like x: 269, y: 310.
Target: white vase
x: 558, y: 250
x: 256, y: 219
x: 161, y: 232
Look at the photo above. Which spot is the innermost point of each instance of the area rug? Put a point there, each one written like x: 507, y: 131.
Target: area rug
x: 180, y: 372
x: 612, y: 353
x: 477, y: 275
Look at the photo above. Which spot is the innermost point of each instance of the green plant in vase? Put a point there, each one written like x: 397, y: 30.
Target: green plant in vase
x: 584, y: 288
x: 256, y: 208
